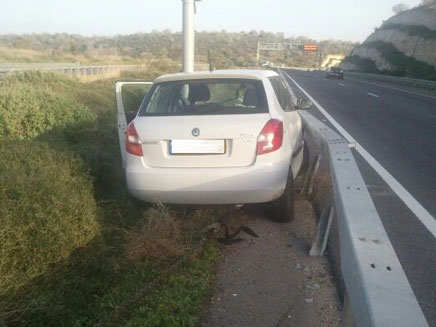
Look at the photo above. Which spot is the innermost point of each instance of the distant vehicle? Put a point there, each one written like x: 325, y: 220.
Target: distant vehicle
x: 265, y: 63
x: 222, y: 137
x: 335, y: 72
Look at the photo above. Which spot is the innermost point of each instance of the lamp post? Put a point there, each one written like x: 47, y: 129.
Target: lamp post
x: 188, y: 35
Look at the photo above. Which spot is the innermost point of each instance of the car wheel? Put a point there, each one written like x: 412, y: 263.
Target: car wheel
x: 283, y: 207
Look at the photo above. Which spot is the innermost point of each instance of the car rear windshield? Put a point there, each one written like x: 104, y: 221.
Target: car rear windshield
x: 205, y: 97
x: 335, y: 69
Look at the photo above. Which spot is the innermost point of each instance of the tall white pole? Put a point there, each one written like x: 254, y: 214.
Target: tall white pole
x: 188, y: 35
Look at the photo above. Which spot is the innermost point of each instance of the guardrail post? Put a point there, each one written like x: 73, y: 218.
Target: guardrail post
x: 322, y: 234
x: 309, y: 173
x: 347, y: 319
x: 313, y: 175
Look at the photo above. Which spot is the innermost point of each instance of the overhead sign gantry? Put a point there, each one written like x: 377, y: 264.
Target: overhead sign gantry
x: 269, y: 46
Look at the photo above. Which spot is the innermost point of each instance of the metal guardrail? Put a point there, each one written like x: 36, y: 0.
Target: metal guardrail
x: 416, y: 83
x: 73, y: 69
x: 36, y: 65
x: 377, y: 290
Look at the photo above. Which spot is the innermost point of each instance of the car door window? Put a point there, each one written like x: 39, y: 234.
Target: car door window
x: 282, y: 93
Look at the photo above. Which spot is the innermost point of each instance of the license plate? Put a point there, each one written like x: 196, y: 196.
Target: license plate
x: 197, y: 147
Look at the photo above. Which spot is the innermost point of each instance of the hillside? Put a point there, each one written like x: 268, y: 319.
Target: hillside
x: 404, y: 45
x: 227, y: 49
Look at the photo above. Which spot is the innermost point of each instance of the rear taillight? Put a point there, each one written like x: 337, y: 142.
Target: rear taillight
x: 271, y: 137
x: 133, y: 143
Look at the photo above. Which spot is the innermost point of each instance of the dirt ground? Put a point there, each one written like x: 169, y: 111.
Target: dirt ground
x: 271, y: 280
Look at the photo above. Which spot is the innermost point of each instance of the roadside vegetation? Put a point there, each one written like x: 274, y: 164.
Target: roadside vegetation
x: 412, y: 30
x: 365, y: 65
x: 405, y: 66
x: 74, y: 249
x: 227, y: 49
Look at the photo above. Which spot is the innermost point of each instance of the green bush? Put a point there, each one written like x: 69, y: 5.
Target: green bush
x: 364, y: 64
x: 73, y: 248
x: 47, y: 210
x: 413, y: 30
x: 33, y: 103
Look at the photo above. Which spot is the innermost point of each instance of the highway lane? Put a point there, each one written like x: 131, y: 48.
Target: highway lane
x: 398, y: 129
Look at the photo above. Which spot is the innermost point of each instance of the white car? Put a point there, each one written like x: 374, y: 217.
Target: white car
x: 221, y: 137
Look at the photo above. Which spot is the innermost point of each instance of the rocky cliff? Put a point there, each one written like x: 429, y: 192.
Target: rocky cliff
x: 404, y: 45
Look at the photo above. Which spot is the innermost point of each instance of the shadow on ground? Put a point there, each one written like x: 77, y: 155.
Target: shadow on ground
x: 271, y: 280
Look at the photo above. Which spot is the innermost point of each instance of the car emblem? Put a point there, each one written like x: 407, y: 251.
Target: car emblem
x: 196, y: 132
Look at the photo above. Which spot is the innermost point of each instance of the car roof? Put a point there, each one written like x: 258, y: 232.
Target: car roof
x: 230, y: 73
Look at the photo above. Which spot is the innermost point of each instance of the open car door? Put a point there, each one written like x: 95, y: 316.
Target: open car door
x: 129, y: 96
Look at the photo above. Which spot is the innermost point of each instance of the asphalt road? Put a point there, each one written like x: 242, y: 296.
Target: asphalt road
x: 398, y: 128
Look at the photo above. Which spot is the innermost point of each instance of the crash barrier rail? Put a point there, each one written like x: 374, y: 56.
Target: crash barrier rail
x: 73, y: 69
x: 273, y: 67
x: 377, y: 290
x: 36, y: 65
x: 403, y: 81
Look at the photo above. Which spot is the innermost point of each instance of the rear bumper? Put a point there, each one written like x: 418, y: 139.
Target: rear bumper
x: 340, y: 76
x: 263, y: 181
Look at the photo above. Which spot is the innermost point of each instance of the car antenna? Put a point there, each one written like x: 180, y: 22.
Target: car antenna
x: 210, y: 61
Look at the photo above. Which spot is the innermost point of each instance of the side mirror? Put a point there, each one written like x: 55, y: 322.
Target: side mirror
x: 304, y: 104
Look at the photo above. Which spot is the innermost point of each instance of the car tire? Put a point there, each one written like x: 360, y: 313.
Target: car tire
x: 283, y: 208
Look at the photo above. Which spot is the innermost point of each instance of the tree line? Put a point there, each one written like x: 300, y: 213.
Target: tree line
x: 227, y: 48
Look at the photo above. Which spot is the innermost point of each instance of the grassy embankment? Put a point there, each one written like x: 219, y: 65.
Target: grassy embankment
x: 74, y: 250
x: 25, y: 55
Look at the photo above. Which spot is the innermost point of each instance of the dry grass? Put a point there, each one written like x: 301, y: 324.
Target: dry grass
x: 21, y: 55
x: 165, y: 234
x: 158, y: 235
x: 93, y: 57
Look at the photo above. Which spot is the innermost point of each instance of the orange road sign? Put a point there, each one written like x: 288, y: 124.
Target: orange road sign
x: 310, y: 47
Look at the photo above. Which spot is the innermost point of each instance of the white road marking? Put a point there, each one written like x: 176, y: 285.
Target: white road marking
x: 341, y: 84
x: 374, y: 95
x: 418, y: 210
x: 392, y: 88
x: 294, y: 98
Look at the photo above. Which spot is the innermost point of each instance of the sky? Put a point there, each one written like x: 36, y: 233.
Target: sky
x: 351, y: 20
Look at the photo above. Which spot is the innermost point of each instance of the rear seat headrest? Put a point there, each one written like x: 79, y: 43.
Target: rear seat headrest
x: 198, y: 92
